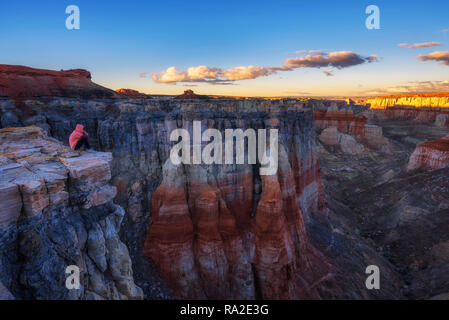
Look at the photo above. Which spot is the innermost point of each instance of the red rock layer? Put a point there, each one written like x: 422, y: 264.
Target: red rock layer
x: 344, y: 120
x: 430, y: 155
x: 23, y: 82
x: 210, y: 239
x: 170, y: 241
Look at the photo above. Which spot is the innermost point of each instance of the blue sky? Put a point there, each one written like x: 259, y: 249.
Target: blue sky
x: 119, y: 42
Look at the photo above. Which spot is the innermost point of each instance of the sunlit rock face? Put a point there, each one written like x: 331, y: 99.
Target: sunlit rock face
x: 430, y: 155
x: 22, y: 82
x: 432, y: 100
x: 420, y: 108
x: 56, y: 210
x: 131, y: 93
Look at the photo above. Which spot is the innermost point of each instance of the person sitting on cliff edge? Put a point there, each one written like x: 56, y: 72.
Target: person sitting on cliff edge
x: 79, y: 138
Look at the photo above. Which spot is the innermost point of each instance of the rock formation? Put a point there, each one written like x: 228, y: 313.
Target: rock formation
x: 20, y: 82
x: 430, y: 155
x: 340, y: 141
x: 190, y: 95
x: 131, y: 93
x: 56, y: 210
x: 216, y: 230
x: 345, y: 122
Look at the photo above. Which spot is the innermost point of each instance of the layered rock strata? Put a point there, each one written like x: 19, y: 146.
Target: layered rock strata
x: 56, y: 211
x: 430, y: 155
x: 342, y: 123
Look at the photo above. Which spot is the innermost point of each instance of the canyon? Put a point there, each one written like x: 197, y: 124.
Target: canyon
x: 214, y: 231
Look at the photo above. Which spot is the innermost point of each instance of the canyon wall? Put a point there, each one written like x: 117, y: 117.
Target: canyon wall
x: 224, y: 231
x: 421, y: 108
x: 218, y: 231
x: 56, y: 210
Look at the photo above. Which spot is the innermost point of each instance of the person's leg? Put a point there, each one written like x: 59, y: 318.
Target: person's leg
x: 80, y: 143
x: 86, y: 143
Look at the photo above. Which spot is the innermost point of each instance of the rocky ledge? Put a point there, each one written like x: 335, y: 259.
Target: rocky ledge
x: 56, y: 210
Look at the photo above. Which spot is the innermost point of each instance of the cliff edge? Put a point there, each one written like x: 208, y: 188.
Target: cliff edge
x: 56, y: 210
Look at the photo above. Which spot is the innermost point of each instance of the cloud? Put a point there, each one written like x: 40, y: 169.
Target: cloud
x: 244, y: 73
x: 441, y: 56
x: 329, y: 73
x: 202, y: 72
x: 412, y: 87
x: 445, y: 30
x: 420, y: 45
x: 193, y: 74
x: 339, y: 60
x: 143, y: 75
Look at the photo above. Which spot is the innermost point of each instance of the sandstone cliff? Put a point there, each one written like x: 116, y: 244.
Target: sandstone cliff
x: 56, y: 210
x: 21, y: 82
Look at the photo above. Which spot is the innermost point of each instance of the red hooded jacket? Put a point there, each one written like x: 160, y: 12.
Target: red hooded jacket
x: 76, y: 135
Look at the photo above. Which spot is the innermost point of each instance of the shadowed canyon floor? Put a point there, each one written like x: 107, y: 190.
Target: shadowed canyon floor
x: 403, y: 215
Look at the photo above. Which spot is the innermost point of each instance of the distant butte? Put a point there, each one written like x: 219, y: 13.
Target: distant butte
x: 131, y: 93
x: 18, y: 82
x: 189, y: 94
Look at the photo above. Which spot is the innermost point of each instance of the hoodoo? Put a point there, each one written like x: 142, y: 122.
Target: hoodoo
x: 430, y: 155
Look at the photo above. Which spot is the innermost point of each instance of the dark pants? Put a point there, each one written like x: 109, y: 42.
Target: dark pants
x: 82, y: 142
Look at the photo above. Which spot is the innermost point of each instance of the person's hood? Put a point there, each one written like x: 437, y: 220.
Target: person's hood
x: 79, y: 127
